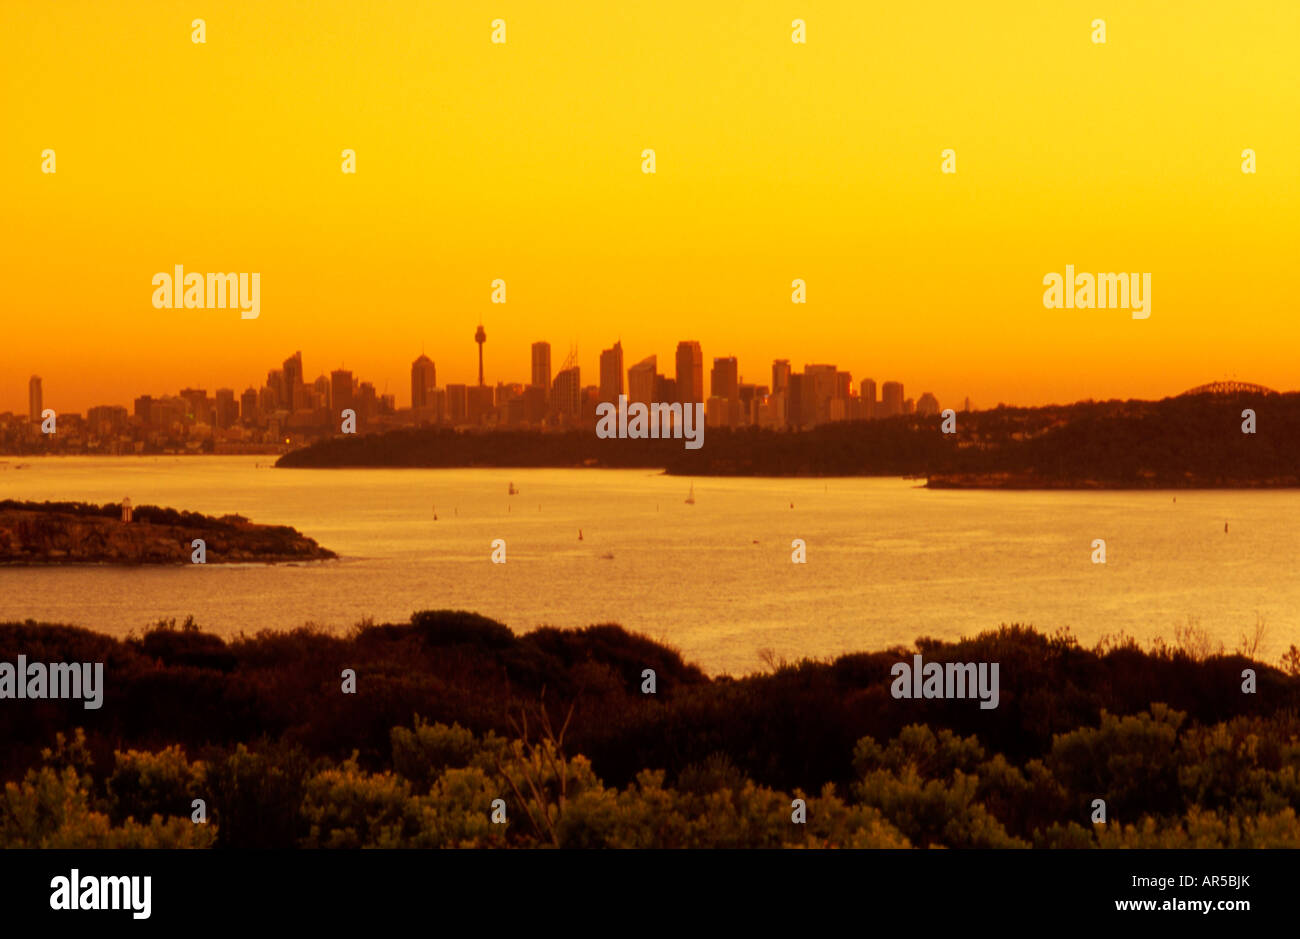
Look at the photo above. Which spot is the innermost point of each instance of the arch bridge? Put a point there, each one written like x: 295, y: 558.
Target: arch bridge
x: 1229, y: 388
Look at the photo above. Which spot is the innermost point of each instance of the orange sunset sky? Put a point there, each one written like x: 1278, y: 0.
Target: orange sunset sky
x: 775, y: 161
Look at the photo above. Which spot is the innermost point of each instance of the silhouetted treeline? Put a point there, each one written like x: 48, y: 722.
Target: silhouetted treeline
x: 154, y: 515
x: 79, y: 532
x: 266, y: 735
x: 1191, y: 440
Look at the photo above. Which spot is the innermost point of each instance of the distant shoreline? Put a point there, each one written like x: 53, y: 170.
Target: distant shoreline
x: 1203, y: 441
x: 43, y: 534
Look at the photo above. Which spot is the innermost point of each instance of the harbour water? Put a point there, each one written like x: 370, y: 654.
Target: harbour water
x: 887, y: 560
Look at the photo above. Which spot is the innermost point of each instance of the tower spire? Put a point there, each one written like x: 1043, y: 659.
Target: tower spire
x: 480, y: 337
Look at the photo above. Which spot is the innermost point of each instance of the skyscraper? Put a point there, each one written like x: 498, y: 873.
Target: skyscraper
x: 819, y: 387
x: 794, y: 409
x: 275, y: 391
x: 724, y: 378
x: 690, y: 372
x: 293, y: 382
x: 780, y: 376
x: 566, y: 393
x: 35, y: 399
x: 869, y: 405
x: 248, y: 412
x: 891, y: 399
x: 611, y: 373
x: 198, y: 406
x: 479, y: 404
x: 724, y: 384
x: 225, y: 408
x: 341, y: 391
x: 641, y: 381
x: 423, y: 382
x: 457, y: 404
x: 542, y: 366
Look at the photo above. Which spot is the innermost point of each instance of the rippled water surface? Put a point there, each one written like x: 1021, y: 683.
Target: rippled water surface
x: 886, y: 561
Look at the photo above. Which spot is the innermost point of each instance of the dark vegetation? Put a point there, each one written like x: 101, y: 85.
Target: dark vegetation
x: 79, y: 532
x: 150, y: 514
x: 1187, y: 441
x: 453, y: 711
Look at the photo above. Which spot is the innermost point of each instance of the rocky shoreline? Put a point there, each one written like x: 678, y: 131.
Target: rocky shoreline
x: 47, y: 533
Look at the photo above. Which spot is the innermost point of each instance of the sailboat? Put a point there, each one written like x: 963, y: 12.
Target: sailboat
x: 690, y: 500
x: 513, y: 491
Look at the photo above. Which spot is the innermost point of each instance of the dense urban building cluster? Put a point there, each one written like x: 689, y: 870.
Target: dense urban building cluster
x: 289, y: 410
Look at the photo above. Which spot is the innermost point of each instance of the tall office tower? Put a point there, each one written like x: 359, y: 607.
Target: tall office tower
x: 641, y: 381
x: 690, y: 373
x: 820, y: 382
x: 611, y: 373
x: 340, y: 392
x: 478, y: 404
x: 457, y: 404
x: 535, y: 404
x: 724, y: 384
x: 198, y: 407
x: 566, y: 393
x: 542, y: 366
x: 366, y: 400
x: 320, y: 392
x: 927, y: 404
x: 275, y: 390
x: 226, y: 408
x: 794, y: 401
x: 423, y: 380
x: 868, y: 398
x: 724, y: 378
x: 843, y: 385
x: 780, y: 376
x: 480, y: 337
x: 35, y: 398
x: 891, y: 398
x: 248, y: 406
x: 665, y: 389
x: 293, y: 382
x: 587, y: 402
x: 749, y: 394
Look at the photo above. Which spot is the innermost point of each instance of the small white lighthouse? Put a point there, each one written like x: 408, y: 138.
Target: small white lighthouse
x: 126, y: 508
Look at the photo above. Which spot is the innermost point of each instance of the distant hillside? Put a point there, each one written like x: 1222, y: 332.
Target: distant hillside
x: 76, y: 532
x: 1193, y: 441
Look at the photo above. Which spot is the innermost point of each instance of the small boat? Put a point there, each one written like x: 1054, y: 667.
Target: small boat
x: 579, y: 534
x: 690, y: 500
x: 513, y: 491
x: 607, y: 556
